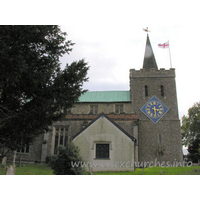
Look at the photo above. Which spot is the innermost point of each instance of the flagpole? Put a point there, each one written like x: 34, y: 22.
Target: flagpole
x: 170, y: 56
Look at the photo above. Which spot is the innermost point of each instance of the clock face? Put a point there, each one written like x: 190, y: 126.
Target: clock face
x: 154, y: 109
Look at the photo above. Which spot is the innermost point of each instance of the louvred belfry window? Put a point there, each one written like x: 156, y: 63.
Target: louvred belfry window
x: 162, y: 90
x: 146, y: 91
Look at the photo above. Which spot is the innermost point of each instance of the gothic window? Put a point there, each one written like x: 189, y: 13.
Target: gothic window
x: 162, y: 90
x: 61, y: 137
x: 119, y: 108
x: 93, y: 109
x: 65, y: 140
x: 56, y: 142
x: 102, y: 151
x: 146, y: 91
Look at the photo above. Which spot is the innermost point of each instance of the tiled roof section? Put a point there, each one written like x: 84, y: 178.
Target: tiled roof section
x: 106, y: 96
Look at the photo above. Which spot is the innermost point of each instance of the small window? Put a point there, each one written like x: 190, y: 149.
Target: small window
x: 146, y: 91
x: 93, y: 109
x: 159, y: 139
x: 119, y: 108
x: 24, y: 149
x: 102, y: 151
x: 69, y: 111
x: 162, y: 90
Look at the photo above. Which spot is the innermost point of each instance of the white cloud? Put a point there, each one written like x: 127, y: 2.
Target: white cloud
x: 109, y: 35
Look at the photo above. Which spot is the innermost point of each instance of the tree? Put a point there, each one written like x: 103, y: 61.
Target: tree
x: 67, y: 161
x: 191, y: 131
x: 193, y: 150
x: 191, y: 125
x: 34, y: 91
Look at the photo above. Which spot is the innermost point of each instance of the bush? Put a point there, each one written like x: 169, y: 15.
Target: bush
x: 193, y: 150
x: 61, y: 164
x: 49, y: 160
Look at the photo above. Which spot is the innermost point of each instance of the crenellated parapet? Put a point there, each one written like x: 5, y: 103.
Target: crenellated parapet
x: 152, y: 73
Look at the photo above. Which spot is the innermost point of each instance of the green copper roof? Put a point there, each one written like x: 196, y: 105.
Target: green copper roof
x: 149, y: 59
x: 106, y: 96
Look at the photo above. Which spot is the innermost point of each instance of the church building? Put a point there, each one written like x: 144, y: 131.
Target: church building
x: 115, y: 129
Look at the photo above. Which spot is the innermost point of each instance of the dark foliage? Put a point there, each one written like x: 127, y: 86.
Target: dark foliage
x: 193, y: 149
x: 191, y: 125
x: 34, y: 91
x: 50, y: 159
x: 62, y: 164
x: 191, y: 132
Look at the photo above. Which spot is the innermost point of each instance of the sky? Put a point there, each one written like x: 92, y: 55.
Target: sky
x: 109, y: 36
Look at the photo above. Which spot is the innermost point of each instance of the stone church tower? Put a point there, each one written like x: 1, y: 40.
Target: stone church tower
x: 154, y: 100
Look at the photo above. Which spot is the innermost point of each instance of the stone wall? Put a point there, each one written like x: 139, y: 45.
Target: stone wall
x: 153, y: 79
x: 150, y: 144
x: 107, y: 108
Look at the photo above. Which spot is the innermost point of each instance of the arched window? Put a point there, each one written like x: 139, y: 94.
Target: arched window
x: 146, y: 90
x: 162, y: 91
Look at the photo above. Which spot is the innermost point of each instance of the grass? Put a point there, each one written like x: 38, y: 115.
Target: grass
x: 43, y: 169
x: 31, y: 169
x: 194, y: 170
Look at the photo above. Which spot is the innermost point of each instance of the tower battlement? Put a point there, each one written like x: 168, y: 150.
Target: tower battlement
x: 152, y: 73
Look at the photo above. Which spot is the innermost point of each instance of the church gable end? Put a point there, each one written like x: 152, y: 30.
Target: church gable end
x: 103, y: 142
x: 111, y: 121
